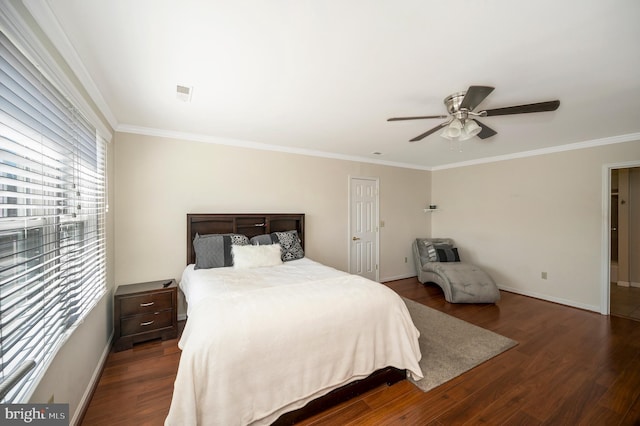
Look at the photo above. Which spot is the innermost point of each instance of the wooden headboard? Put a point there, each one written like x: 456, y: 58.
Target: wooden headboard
x: 246, y: 224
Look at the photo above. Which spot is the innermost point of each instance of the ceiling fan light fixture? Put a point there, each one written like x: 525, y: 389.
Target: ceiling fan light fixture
x: 453, y: 130
x: 457, y: 130
x: 469, y: 130
x: 464, y: 136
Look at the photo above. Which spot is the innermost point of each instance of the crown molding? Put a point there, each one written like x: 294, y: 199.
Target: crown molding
x: 148, y: 131
x: 631, y: 137
x: 194, y: 137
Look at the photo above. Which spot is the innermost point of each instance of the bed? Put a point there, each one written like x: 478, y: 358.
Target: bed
x: 275, y: 340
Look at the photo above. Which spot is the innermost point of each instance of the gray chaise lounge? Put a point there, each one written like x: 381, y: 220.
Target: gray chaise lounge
x: 461, y: 282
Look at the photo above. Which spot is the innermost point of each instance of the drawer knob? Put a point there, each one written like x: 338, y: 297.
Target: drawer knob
x: 146, y: 304
x: 142, y: 324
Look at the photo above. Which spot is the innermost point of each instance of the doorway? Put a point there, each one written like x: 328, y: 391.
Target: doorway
x: 363, y: 227
x: 624, y: 242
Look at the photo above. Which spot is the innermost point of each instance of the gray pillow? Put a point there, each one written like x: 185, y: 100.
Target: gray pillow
x: 448, y: 254
x: 214, y: 250
x: 261, y: 240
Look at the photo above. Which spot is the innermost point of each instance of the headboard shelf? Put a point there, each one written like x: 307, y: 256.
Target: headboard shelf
x: 248, y: 224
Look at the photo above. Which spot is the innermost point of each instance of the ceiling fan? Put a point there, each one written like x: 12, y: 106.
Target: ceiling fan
x: 462, y: 123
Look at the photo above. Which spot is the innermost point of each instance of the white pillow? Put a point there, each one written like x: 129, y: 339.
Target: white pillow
x: 256, y: 256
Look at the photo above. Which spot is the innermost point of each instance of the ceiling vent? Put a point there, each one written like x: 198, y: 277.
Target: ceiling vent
x: 184, y: 93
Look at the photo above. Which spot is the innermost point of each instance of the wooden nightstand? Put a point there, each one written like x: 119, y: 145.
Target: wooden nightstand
x: 145, y: 311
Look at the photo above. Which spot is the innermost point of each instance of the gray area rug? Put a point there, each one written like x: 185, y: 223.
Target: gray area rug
x: 451, y: 346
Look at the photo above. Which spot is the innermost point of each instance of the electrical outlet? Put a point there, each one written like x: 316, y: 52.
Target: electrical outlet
x: 543, y: 275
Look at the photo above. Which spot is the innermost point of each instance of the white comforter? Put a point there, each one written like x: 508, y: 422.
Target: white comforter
x: 255, y: 349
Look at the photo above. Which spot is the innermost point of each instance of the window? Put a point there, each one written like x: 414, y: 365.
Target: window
x: 52, y: 219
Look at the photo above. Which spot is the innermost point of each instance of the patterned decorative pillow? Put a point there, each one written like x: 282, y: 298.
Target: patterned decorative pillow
x: 448, y: 254
x: 214, y: 250
x: 432, y: 255
x: 239, y: 239
x: 291, y: 249
x: 427, y: 250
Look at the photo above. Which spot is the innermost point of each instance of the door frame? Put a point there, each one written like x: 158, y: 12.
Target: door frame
x: 377, y: 219
x: 605, y: 306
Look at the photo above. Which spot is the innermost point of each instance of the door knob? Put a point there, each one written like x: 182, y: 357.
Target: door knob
x: 355, y: 238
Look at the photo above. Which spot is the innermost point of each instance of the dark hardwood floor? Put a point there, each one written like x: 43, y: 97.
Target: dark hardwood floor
x: 625, y: 301
x: 570, y: 367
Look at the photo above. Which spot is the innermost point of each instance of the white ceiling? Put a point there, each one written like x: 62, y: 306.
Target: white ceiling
x: 324, y: 75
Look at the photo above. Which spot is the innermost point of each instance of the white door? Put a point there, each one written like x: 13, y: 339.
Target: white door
x: 363, y: 227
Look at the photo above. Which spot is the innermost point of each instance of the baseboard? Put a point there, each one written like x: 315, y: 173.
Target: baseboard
x: 182, y: 317
x: 95, y: 378
x: 636, y: 285
x: 623, y: 284
x: 548, y: 298
x: 535, y: 295
x: 397, y: 277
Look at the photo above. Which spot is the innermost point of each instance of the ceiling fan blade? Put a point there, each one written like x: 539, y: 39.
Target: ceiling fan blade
x: 428, y: 132
x: 475, y: 95
x: 523, y: 109
x: 486, y: 131
x: 415, y: 118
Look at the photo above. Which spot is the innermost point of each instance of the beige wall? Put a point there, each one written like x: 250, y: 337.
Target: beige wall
x: 159, y: 180
x: 521, y: 217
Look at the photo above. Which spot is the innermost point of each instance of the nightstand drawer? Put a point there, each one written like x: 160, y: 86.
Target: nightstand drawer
x: 145, y: 303
x: 146, y: 322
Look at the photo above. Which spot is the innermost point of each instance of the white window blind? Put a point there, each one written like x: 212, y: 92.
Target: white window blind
x: 52, y: 219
